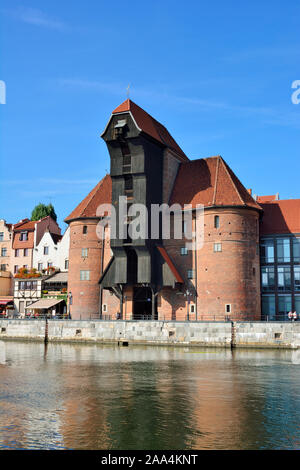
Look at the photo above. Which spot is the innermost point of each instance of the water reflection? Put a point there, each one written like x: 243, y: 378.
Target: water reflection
x: 105, y: 397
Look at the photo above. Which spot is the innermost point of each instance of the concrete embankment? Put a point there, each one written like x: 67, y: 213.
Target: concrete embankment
x: 213, y: 334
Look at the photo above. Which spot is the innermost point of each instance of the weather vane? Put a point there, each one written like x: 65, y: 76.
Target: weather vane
x: 128, y: 90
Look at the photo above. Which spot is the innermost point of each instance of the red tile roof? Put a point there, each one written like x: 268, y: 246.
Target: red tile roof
x: 170, y: 263
x: 101, y: 194
x: 150, y: 126
x: 25, y: 224
x: 262, y: 199
x: 281, y: 217
x: 210, y: 182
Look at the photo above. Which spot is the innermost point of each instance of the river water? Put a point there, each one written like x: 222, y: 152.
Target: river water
x: 106, y: 397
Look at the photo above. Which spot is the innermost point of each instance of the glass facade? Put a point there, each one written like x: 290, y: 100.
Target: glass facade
x: 267, y: 278
x: 283, y: 250
x: 296, y: 250
x: 268, y: 307
x: 267, y: 251
x: 280, y: 276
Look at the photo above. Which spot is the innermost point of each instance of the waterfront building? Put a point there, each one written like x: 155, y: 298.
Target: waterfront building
x: 26, y: 237
x: 52, y: 251
x: 5, y: 260
x: 280, y: 257
x: 41, y: 294
x: 160, y: 278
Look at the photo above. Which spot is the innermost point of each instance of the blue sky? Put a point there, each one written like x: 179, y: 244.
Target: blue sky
x: 217, y: 74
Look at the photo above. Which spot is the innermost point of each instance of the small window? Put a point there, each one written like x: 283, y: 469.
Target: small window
x: 25, y: 251
x: 46, y: 250
x: 183, y: 251
x: 217, y: 221
x: 84, y: 275
x: 228, y: 308
x: 17, y: 253
x: 16, y: 268
x: 191, y: 274
x: 23, y: 236
x: 104, y: 307
x: 49, y: 264
x: 84, y: 229
x: 3, y: 267
x: 40, y: 266
x: 217, y: 247
x: 3, y: 251
x: 84, y: 252
x: 1, y: 236
x: 66, y: 264
x: 192, y: 308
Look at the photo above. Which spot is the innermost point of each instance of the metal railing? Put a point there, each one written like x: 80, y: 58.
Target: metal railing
x: 147, y: 317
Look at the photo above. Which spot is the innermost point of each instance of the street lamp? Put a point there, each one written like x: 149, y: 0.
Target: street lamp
x: 187, y: 295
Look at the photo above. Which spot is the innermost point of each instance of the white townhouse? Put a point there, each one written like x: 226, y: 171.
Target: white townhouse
x: 52, y: 251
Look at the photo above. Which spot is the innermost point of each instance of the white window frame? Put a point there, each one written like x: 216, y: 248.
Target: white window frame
x: 217, y: 247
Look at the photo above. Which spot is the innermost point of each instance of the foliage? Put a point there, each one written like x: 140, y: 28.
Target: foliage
x: 41, y: 210
x: 25, y: 273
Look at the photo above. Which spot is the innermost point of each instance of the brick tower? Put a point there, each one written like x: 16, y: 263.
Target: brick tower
x: 87, y: 253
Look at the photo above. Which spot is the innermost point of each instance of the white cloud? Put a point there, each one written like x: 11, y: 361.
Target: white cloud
x: 36, y: 17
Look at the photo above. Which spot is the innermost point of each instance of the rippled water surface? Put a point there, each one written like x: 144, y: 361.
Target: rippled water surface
x: 105, y: 397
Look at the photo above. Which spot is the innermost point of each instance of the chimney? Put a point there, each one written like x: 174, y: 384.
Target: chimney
x: 250, y: 191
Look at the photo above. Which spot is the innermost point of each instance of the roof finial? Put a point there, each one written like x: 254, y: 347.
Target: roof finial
x: 128, y: 90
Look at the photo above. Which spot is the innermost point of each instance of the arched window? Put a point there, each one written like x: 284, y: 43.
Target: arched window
x: 217, y: 221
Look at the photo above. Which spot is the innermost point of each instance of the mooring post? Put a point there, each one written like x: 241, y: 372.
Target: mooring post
x: 233, y: 335
x: 46, y: 331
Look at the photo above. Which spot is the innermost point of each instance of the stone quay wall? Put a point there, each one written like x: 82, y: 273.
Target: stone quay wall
x: 208, y: 334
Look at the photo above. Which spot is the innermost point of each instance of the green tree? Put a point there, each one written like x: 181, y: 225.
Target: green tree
x: 41, y: 210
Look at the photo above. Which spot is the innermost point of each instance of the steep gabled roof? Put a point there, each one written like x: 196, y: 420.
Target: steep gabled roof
x: 25, y: 224
x: 263, y: 199
x: 281, y: 217
x: 100, y: 194
x: 210, y: 182
x: 150, y: 126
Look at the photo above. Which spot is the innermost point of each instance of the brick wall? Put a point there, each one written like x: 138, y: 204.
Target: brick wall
x: 85, y: 293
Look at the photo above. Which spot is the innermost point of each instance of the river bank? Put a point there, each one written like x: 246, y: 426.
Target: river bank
x: 284, y: 335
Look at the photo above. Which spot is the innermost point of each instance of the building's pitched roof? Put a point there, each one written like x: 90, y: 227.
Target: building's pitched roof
x: 150, y: 126
x: 100, y: 194
x: 263, y: 199
x: 55, y: 237
x: 25, y: 224
x: 210, y: 182
x: 281, y: 217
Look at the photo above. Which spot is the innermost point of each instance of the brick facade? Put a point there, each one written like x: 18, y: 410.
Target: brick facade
x: 85, y: 293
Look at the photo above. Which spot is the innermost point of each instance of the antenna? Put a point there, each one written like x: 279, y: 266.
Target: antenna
x: 128, y: 90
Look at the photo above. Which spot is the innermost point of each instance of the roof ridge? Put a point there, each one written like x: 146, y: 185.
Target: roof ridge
x: 92, y: 194
x: 233, y: 183
x: 216, y: 180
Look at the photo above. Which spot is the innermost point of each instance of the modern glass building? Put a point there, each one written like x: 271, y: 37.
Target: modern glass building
x: 280, y: 259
